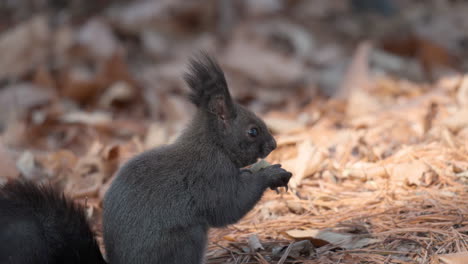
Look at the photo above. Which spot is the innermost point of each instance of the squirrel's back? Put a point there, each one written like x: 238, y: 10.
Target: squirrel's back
x: 39, y: 225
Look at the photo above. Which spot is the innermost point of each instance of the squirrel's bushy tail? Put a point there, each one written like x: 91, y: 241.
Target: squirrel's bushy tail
x: 38, y: 224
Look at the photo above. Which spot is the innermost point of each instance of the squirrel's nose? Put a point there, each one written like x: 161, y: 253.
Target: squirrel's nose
x: 273, y: 144
x: 269, y: 147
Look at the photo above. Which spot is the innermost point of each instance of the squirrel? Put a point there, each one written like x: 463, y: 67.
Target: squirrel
x: 161, y: 203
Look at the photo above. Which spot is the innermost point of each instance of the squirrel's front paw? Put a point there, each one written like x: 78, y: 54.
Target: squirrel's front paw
x: 277, y: 176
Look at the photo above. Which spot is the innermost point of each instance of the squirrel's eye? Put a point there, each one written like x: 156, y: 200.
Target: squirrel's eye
x: 253, y: 132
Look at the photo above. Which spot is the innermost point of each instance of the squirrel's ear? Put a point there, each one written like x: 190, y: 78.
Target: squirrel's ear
x: 209, y: 88
x: 217, y: 105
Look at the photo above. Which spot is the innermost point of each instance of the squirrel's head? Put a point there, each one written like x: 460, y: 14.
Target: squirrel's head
x: 237, y: 131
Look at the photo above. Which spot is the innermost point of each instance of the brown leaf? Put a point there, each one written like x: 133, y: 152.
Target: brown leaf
x: 283, y: 125
x: 94, y: 118
x: 115, y: 69
x: 365, y: 171
x: 24, y: 47
x: 323, y: 237
x: 462, y: 93
x: 268, y: 68
x: 98, y: 38
x: 80, y: 84
x: 118, y: 92
x: 309, y: 160
x: 254, y: 243
x: 430, y: 54
x: 357, y: 75
x: 454, y: 258
x: 7, y: 164
x: 29, y: 167
x: 415, y: 173
x: 18, y: 99
x: 85, y: 185
x: 457, y: 120
x: 60, y: 163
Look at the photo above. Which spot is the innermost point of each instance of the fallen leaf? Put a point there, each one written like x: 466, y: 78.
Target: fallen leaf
x: 84, y: 186
x: 229, y: 238
x: 118, y: 92
x: 309, y: 159
x: 454, y: 258
x: 29, y: 167
x: 97, y: 37
x: 94, y: 118
x: 283, y: 125
x: 60, y: 163
x: 357, y: 76
x: 462, y: 93
x: 268, y: 68
x: 80, y: 84
x: 415, y: 173
x: 295, y: 250
x: 457, y: 120
x: 323, y: 237
x: 9, y: 170
x: 24, y: 47
x: 365, y: 171
x: 158, y: 134
x: 254, y: 243
x: 17, y: 99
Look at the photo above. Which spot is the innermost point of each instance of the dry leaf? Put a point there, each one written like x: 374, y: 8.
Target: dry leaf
x: 24, y: 47
x: 268, y: 68
x: 309, y: 160
x: 98, y: 38
x: 283, y: 125
x: 272, y: 210
x: 365, y: 171
x: 457, y: 120
x: 413, y: 173
x: 462, y: 93
x: 229, y: 238
x: 7, y: 164
x: 30, y: 167
x: 357, y: 75
x: 19, y: 98
x: 454, y: 258
x: 254, y: 243
x: 84, y: 185
x: 158, y: 134
x: 95, y: 118
x: 342, y: 240
x: 60, y: 163
x: 118, y: 92
x: 80, y: 84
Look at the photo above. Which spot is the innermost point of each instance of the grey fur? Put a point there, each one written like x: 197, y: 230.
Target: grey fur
x: 163, y: 201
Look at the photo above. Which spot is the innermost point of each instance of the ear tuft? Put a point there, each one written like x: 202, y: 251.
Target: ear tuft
x: 207, y: 82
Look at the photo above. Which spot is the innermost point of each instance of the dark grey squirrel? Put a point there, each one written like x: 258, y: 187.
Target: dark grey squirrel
x: 162, y: 202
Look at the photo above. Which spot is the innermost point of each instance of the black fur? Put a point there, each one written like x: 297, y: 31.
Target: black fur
x: 39, y: 225
x: 162, y: 202
x: 205, y: 79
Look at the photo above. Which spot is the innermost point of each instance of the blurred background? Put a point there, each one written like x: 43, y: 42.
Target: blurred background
x: 344, y: 85
x: 126, y: 57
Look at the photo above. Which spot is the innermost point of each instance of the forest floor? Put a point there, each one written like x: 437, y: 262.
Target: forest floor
x: 370, y: 112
